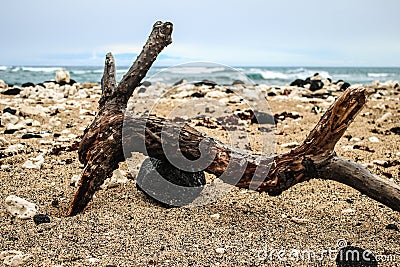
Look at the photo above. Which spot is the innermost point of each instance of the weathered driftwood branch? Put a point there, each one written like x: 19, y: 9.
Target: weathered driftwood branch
x: 100, y: 149
x: 111, y: 135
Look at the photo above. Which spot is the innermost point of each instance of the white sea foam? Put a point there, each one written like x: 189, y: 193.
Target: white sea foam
x: 40, y: 69
x: 3, y: 67
x: 273, y: 75
x: 378, y: 75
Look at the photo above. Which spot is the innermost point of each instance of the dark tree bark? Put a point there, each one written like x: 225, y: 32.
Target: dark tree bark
x: 111, y: 136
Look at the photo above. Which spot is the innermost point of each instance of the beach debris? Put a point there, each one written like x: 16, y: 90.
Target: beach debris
x: 8, y: 118
x: 3, y: 141
x: 348, y: 211
x: 364, y: 148
x: 14, y: 258
x: 395, y: 130
x: 215, y: 216
x: 10, y: 110
x: 386, y: 163
x: 316, y: 85
x: 374, y: 139
x: 5, y: 167
x: 380, y: 162
x: 74, y: 180
x: 30, y: 136
x: 118, y: 177
x: 20, y: 207
x: 220, y: 250
x: 41, y: 218
x: 34, y: 163
x: 344, y: 86
x: 298, y: 83
x: 384, y: 118
x: 93, y: 260
x: 167, y: 184
x: 3, y: 85
x: 14, y: 149
x: 62, y: 76
x: 282, y: 116
x: 11, y: 91
x: 392, y: 227
x: 28, y: 84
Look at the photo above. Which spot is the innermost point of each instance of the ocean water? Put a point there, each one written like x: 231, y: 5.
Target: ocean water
x: 199, y: 71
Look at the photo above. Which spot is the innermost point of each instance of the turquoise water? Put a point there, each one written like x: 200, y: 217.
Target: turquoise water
x: 218, y: 73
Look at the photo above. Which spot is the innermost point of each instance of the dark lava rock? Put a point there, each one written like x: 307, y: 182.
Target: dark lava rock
x: 206, y: 82
x: 30, y: 135
x: 28, y: 84
x: 338, y: 81
x: 41, y: 218
x: 262, y: 118
x: 351, y: 256
x: 146, y: 83
x: 168, y: 185
x: 71, y: 82
x: 10, y: 131
x: 178, y: 82
x: 142, y: 90
x: 298, y: 83
x: 11, y: 91
x: 395, y: 130
x: 235, y: 82
x: 344, y: 86
x: 198, y: 95
x: 316, y: 85
x: 229, y: 91
x: 282, y: 116
x: 392, y: 227
x: 41, y: 85
x: 10, y: 110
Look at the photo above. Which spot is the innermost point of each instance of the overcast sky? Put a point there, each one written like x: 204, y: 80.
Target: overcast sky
x: 238, y: 33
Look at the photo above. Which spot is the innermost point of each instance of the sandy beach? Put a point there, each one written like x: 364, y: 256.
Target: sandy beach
x: 122, y: 227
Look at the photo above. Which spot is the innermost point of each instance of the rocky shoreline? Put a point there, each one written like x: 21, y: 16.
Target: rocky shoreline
x: 41, y: 126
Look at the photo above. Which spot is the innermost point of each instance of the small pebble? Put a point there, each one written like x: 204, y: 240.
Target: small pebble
x: 374, y: 139
x: 41, y: 218
x: 348, y: 212
x: 74, y: 180
x: 220, y: 250
x: 380, y: 162
x: 392, y: 227
x: 215, y: 216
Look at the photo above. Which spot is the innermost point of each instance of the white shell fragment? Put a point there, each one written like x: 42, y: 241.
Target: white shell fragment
x: 34, y: 163
x: 119, y: 177
x: 374, y: 139
x: 20, y: 207
x: 220, y: 250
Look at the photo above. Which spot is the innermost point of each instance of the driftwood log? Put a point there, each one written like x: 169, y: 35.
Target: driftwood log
x: 113, y: 135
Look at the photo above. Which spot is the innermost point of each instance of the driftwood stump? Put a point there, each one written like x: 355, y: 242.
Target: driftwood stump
x: 113, y: 135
